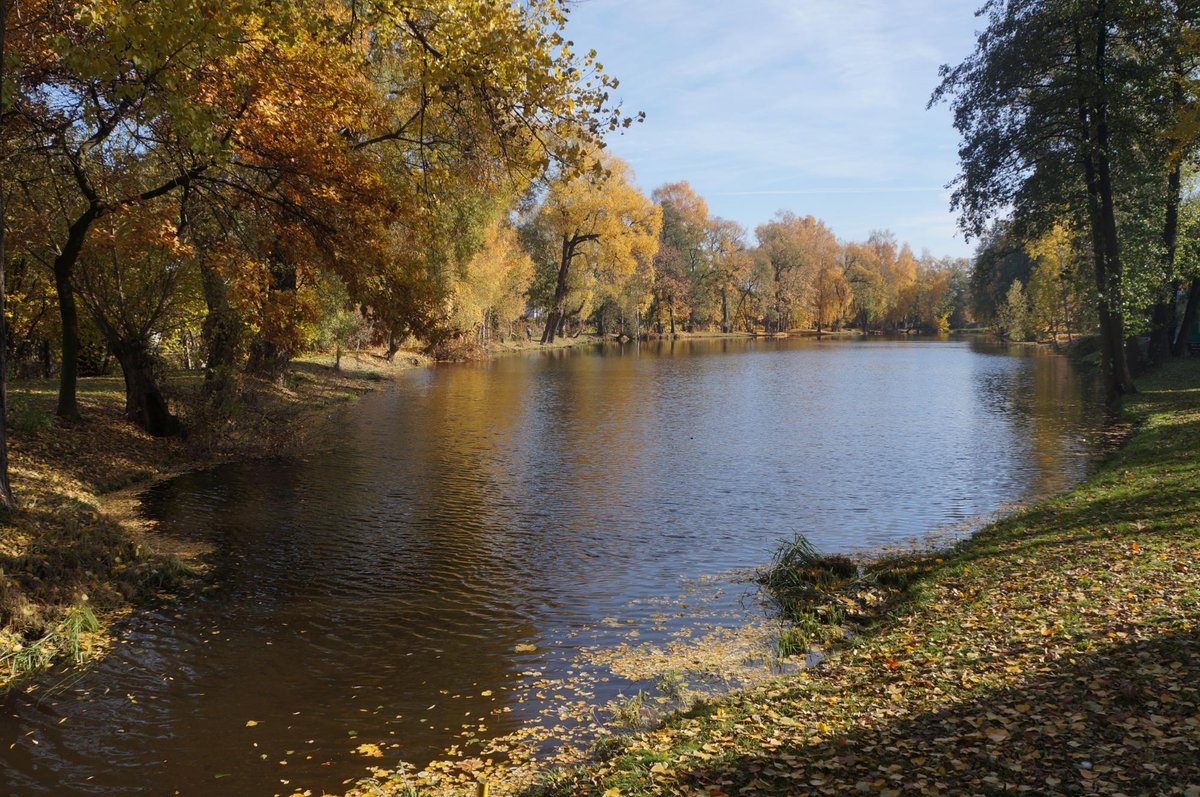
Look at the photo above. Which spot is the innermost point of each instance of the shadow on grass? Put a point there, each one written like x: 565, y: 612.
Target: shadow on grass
x: 1120, y: 720
x: 73, y: 555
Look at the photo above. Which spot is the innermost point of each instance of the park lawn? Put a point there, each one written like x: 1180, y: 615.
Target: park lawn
x: 1056, y: 652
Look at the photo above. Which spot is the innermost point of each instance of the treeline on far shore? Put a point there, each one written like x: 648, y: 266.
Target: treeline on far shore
x: 273, y: 177
x: 270, y: 178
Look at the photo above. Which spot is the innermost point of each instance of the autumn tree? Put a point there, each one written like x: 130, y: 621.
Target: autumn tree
x: 136, y: 279
x: 732, y: 265
x: 686, y: 280
x: 595, y: 226
x: 831, y: 293
x: 1059, y: 293
x: 489, y: 290
x: 623, y: 306
x: 902, y: 280
x: 30, y: 303
x: 1013, y: 316
x: 309, y: 136
x: 340, y: 325
x: 932, y: 306
x: 784, y: 249
x: 1061, y: 112
x: 7, y: 501
x: 868, y: 283
x: 98, y: 85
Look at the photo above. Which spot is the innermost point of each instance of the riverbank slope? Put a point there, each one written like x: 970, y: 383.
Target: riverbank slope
x: 1056, y: 652
x: 74, y: 556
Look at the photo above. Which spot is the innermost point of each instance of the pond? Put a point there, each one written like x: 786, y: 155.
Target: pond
x: 463, y: 535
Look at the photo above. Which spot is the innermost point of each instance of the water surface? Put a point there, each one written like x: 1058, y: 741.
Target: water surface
x: 463, y: 527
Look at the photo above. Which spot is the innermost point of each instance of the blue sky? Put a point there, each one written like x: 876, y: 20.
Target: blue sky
x: 813, y: 106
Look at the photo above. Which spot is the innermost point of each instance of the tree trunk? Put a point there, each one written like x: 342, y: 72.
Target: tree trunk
x: 1107, y: 259
x: 560, y: 285
x: 1133, y: 356
x: 725, y: 310
x: 1162, y: 327
x: 144, y: 402
x: 1163, y: 318
x: 1066, y: 312
x: 7, y: 501
x: 222, y: 335
x: 268, y: 360
x: 1120, y: 380
x: 551, y: 327
x: 1189, y: 319
x: 64, y: 264
x: 186, y: 341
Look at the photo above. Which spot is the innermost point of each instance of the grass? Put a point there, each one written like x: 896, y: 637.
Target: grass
x: 69, y: 638
x: 1055, y: 652
x: 76, y: 548
x: 630, y: 712
x: 824, y: 600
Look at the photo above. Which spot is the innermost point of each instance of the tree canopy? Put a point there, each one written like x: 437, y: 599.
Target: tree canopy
x: 1073, y: 111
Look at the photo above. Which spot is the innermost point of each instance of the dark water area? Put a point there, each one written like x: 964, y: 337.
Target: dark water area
x: 463, y: 527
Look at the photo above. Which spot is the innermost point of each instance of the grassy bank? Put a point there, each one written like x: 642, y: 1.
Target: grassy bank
x: 75, y: 556
x: 1056, y: 652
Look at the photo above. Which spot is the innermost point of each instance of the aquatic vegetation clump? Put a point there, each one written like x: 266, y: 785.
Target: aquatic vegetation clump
x: 68, y: 638
x: 822, y: 599
x: 801, y: 579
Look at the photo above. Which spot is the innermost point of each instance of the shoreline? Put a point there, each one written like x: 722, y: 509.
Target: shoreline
x: 980, y: 637
x: 324, y: 401
x: 77, y: 556
x: 961, y: 685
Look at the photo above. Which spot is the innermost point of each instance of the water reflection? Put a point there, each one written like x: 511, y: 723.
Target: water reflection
x: 471, y: 520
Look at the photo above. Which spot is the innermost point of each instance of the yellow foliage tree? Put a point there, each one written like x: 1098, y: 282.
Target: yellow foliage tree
x: 1051, y: 292
x: 599, y: 220
x: 490, y: 289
